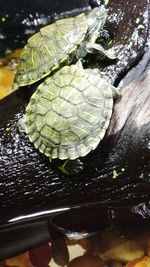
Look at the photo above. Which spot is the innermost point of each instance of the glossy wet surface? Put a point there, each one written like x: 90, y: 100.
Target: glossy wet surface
x: 26, y: 176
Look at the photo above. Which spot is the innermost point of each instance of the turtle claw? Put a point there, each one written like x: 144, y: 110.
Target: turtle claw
x: 21, y: 125
x: 79, y: 64
x: 71, y: 167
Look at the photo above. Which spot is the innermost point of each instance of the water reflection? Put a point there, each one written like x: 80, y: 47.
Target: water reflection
x: 114, y: 247
x: 125, y: 242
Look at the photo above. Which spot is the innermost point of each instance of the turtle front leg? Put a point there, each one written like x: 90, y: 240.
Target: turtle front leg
x: 93, y: 48
x: 98, y: 49
x: 71, y: 166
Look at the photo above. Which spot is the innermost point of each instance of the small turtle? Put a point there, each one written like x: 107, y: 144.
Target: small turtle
x: 69, y: 113
x: 58, y: 44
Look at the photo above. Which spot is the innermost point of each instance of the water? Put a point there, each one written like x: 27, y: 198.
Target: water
x: 125, y: 242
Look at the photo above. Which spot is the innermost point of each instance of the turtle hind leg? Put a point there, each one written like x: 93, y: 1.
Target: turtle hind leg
x: 71, y: 167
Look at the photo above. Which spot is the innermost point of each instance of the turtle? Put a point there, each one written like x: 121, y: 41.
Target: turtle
x: 68, y: 114
x: 59, y: 44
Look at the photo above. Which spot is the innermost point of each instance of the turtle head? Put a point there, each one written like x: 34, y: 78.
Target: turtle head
x: 95, y: 20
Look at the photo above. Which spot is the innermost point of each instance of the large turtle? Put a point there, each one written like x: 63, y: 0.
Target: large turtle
x: 57, y: 44
x: 69, y: 113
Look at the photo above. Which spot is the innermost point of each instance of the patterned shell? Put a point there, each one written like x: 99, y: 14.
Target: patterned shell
x: 47, y: 49
x: 69, y: 113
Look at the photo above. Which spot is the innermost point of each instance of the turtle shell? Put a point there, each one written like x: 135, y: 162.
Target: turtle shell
x: 69, y: 113
x: 49, y: 48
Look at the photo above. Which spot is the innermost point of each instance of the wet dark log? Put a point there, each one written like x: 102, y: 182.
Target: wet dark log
x: 27, y: 177
x: 116, y: 173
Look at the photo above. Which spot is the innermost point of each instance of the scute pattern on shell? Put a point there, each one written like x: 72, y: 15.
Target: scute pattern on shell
x: 69, y: 113
x: 46, y: 49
